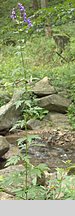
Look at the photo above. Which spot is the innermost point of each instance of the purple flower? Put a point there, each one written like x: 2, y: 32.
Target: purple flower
x: 21, y: 7
x: 29, y: 22
x: 22, y: 14
x: 13, y: 14
x: 24, y: 17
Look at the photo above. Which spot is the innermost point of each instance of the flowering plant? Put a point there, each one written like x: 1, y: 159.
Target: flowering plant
x: 19, y: 16
x: 23, y: 14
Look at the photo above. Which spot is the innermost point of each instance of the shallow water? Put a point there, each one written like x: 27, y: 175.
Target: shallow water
x: 53, y: 147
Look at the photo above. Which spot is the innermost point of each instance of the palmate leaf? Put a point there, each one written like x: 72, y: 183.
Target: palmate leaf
x: 26, y: 159
x: 18, y: 103
x: 42, y: 167
x: 34, y: 181
x: 14, y: 127
x: 28, y: 103
x: 7, y: 181
x: 36, y: 193
x: 27, y: 139
x: 32, y: 137
x: 22, y: 140
x: 39, y: 169
x: 35, y: 171
x: 20, y: 123
x: 13, y: 160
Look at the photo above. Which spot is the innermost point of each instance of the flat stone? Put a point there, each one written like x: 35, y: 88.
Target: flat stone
x: 43, y: 87
x: 54, y: 102
x: 58, y: 120
x: 8, y: 112
x: 33, y: 124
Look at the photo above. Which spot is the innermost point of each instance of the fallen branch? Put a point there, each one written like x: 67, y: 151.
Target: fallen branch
x: 62, y: 57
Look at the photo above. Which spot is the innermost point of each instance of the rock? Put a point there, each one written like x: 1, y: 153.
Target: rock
x: 43, y: 87
x: 54, y: 102
x: 61, y: 41
x: 58, y: 120
x: 63, y: 93
x: 33, y: 124
x: 4, y: 146
x: 8, y: 113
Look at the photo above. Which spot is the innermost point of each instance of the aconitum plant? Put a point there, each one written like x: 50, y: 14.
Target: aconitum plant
x: 19, y: 15
x: 23, y: 14
x: 13, y: 14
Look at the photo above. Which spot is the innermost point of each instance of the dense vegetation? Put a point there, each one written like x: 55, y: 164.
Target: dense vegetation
x: 39, y: 51
x: 40, y: 59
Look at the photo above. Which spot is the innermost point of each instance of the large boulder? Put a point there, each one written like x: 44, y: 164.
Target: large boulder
x: 8, y: 113
x: 43, y: 87
x: 33, y: 124
x: 52, y: 119
x: 58, y: 120
x: 4, y: 146
x: 54, y: 102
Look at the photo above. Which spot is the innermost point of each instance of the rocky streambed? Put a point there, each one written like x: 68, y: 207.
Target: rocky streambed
x: 53, y: 140
x: 53, y: 147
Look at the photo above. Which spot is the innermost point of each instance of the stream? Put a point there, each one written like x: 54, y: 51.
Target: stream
x: 53, y: 147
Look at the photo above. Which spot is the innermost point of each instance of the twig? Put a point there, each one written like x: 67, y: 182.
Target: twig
x: 62, y: 57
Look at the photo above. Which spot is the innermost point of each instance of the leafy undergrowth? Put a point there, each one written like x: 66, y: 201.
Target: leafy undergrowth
x: 56, y: 186
x: 40, y: 59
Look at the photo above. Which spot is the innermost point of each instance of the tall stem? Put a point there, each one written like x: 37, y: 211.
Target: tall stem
x: 25, y: 85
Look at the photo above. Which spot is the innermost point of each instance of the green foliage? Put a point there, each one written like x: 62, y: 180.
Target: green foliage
x: 17, y: 179
x: 35, y: 112
x: 12, y: 161
x: 60, y: 187
x: 57, y: 15
x: 39, y: 59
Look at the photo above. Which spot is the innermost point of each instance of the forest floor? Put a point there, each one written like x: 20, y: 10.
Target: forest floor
x: 58, y: 146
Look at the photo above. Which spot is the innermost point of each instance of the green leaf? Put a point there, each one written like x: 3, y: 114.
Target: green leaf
x: 42, y: 167
x: 13, y: 160
x: 31, y: 137
x: 18, y: 103
x: 28, y: 103
x: 22, y: 140
x: 34, y: 181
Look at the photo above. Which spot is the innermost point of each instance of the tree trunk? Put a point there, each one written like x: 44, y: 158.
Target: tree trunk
x: 44, y: 3
x: 35, y: 4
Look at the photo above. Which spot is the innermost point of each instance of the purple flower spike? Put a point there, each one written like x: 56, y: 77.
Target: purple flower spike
x: 21, y: 7
x: 29, y: 22
x: 24, y: 17
x: 13, y: 14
